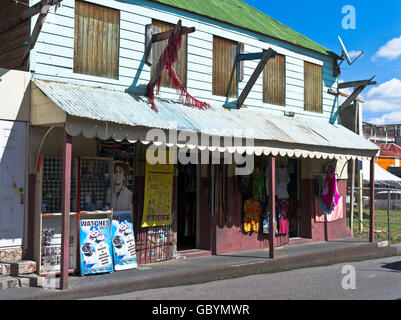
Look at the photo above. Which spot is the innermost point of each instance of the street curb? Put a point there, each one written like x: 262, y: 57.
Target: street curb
x: 280, y: 264
x: 397, y: 247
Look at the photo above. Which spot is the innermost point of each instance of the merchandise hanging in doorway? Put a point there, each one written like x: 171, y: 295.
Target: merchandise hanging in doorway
x: 186, y: 218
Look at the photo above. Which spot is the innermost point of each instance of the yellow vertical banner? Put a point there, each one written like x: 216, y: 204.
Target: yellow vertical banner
x: 158, y: 194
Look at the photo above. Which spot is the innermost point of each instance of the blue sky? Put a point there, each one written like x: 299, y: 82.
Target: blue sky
x: 377, y: 32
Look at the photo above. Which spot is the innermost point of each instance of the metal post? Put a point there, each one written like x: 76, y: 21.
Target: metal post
x: 360, y: 202
x: 351, y: 218
x: 388, y: 213
x: 66, y: 190
x: 272, y: 204
x: 372, y: 201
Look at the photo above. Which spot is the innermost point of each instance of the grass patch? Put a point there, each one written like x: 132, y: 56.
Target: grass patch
x: 381, y: 225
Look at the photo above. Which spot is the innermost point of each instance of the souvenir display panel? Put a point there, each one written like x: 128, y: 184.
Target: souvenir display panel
x: 96, y: 184
x: 51, y: 243
x: 52, y: 185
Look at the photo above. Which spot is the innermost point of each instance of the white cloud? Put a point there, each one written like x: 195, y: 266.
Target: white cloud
x: 388, y: 90
x: 387, y: 118
x: 376, y: 106
x: 383, y: 103
x: 391, y: 50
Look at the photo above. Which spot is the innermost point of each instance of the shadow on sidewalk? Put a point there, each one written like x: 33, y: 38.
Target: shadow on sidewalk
x: 396, y: 266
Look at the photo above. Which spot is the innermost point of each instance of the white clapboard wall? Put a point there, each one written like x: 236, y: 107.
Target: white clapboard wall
x: 52, y: 57
x: 12, y: 181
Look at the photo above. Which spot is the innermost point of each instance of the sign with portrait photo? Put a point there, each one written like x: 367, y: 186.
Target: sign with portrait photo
x: 123, y: 175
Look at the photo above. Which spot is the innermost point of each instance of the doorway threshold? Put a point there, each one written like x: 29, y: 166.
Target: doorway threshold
x: 194, y: 253
x: 299, y: 240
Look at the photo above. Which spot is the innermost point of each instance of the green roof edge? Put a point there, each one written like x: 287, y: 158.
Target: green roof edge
x: 318, y: 48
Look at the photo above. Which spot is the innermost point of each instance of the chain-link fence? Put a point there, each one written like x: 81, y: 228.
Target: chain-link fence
x: 387, y: 213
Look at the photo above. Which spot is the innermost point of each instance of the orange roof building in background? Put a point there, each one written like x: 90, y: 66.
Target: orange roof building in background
x: 390, y: 155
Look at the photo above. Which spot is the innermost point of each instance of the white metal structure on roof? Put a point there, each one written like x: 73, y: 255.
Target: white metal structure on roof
x: 382, y: 176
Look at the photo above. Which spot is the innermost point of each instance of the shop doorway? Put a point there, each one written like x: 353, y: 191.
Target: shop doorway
x: 186, y: 207
x: 294, y: 191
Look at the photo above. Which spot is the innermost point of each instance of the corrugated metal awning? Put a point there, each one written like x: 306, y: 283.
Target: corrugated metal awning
x: 120, y: 115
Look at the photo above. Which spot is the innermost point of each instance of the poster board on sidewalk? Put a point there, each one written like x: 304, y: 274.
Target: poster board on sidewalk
x: 158, y: 194
x: 123, y: 240
x: 95, y: 246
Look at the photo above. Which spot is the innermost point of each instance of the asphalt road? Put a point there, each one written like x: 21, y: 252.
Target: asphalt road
x: 367, y: 280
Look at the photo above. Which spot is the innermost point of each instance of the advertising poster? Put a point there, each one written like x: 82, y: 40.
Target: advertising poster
x: 124, y: 250
x: 158, y: 195
x: 95, y: 246
x: 123, y: 175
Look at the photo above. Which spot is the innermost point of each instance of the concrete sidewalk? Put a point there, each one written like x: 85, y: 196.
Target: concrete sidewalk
x: 210, y: 268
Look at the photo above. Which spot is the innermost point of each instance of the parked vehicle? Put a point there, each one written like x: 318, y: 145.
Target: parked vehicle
x: 382, y: 200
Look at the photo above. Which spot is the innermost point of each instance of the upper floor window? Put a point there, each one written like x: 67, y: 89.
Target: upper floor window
x: 274, y: 81
x: 313, y: 87
x: 180, y: 66
x: 224, y: 73
x: 96, y: 40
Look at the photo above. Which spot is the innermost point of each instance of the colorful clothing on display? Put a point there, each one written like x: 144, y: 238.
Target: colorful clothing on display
x: 330, y: 195
x: 282, y: 181
x: 252, y: 213
x: 265, y: 223
x: 324, y: 214
x: 283, y: 220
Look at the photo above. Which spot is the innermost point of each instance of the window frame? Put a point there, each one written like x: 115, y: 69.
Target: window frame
x: 317, y: 101
x: 232, y: 69
x: 165, y: 83
x: 91, y: 59
x: 265, y: 91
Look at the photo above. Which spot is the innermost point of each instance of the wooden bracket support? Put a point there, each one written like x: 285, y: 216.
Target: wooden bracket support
x: 342, y: 94
x: 354, y: 84
x: 45, y: 6
x: 153, y: 38
x: 264, y: 57
x: 250, y: 56
x: 359, y: 86
x: 25, y: 15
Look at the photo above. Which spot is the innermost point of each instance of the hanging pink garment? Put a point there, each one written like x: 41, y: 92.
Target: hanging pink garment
x: 283, y: 221
x: 330, y: 195
x: 283, y: 226
x: 321, y: 215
